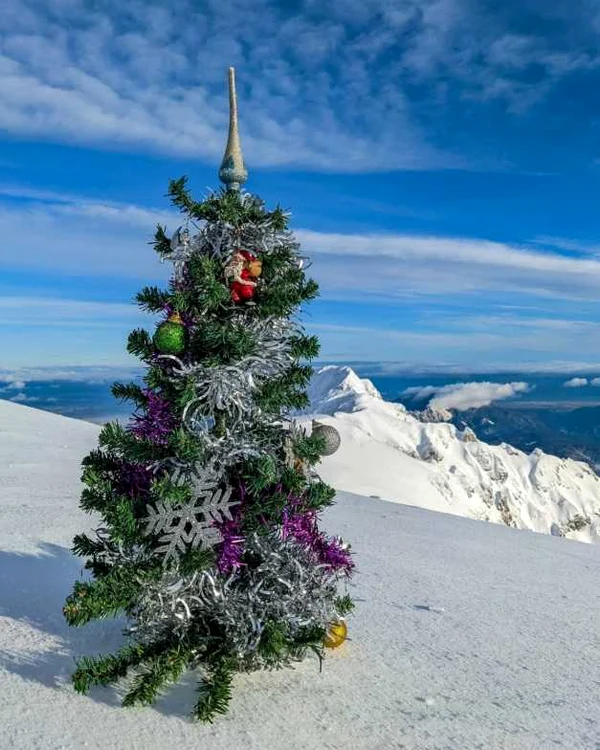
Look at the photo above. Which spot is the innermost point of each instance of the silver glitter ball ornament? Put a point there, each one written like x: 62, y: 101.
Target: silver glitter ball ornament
x: 330, y: 434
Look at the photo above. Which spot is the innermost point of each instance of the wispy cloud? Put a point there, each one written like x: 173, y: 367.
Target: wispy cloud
x: 49, y: 312
x: 66, y: 204
x: 457, y: 347
x: 469, y: 295
x: 324, y: 85
x: 78, y: 235
x: 23, y: 398
x: 565, y: 243
x: 489, y: 367
x: 12, y: 383
x: 20, y: 376
x: 154, y: 78
x: 398, y: 265
x: 47, y: 231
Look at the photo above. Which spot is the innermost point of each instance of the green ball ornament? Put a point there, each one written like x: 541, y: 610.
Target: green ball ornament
x: 169, y: 337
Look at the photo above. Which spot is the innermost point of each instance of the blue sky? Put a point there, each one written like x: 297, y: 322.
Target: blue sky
x: 441, y: 159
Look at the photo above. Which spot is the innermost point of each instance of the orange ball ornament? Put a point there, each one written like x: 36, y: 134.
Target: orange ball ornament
x: 336, y: 635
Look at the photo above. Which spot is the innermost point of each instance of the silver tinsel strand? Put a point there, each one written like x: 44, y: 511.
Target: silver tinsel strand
x: 230, y: 388
x: 285, y: 587
x: 181, y: 250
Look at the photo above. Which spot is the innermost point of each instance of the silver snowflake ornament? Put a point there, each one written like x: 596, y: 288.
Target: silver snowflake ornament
x: 190, y: 524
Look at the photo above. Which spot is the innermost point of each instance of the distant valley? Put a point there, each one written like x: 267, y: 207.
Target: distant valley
x: 558, y: 429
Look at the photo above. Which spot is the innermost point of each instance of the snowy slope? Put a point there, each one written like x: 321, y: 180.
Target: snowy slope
x: 388, y: 453
x: 467, y: 635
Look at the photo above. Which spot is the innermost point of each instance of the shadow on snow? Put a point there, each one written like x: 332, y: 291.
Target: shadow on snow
x: 33, y: 589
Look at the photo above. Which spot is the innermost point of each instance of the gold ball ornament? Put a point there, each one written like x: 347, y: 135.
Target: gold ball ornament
x: 336, y: 635
x: 169, y: 337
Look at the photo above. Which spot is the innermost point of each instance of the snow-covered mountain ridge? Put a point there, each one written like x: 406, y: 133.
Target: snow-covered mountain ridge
x: 386, y: 452
x: 389, y: 453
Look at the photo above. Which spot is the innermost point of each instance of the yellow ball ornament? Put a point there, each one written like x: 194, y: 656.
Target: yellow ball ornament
x: 336, y: 635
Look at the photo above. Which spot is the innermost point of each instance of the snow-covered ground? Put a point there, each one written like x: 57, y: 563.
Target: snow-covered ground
x: 387, y: 452
x: 467, y: 635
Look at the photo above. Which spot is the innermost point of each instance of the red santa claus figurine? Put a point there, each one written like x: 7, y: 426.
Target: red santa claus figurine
x: 241, y: 273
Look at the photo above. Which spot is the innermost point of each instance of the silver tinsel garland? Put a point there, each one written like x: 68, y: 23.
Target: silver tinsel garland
x: 285, y: 587
x: 230, y: 388
x: 181, y: 250
x: 220, y: 239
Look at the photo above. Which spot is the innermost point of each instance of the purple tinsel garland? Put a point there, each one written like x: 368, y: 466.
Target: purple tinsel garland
x: 186, y: 318
x: 158, y: 421
x: 134, y: 479
x: 232, y: 547
x: 302, y: 525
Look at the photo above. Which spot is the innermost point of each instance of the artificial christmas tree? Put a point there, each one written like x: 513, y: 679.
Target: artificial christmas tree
x: 209, y: 543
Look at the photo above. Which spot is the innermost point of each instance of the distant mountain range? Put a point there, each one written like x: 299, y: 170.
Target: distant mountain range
x: 389, y: 452
x: 569, y: 433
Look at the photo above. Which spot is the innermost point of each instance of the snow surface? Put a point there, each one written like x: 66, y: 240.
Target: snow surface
x: 389, y: 453
x: 467, y: 635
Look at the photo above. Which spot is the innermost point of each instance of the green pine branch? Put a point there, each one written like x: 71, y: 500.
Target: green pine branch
x: 102, y: 598
x: 304, y: 347
x: 83, y: 546
x: 319, y: 496
x: 139, y: 344
x: 214, y: 692
x: 206, y: 277
x: 97, y: 462
x: 119, y: 516
x: 162, y: 243
x: 129, y: 392
x: 118, y: 440
x: 158, y: 672
x: 195, y: 560
x: 180, y: 196
x: 344, y: 605
x: 99, y: 495
x: 104, y: 670
x: 152, y: 299
x: 310, y: 448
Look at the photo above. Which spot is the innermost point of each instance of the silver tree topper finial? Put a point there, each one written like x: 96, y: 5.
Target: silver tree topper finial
x: 233, y: 173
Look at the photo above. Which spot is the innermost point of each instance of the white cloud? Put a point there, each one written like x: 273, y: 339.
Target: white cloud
x: 397, y: 265
x: 420, y: 392
x: 58, y: 312
x: 453, y: 275
x: 565, y: 243
x: 84, y: 374
x: 456, y: 345
x: 153, y: 78
x: 558, y: 367
x: 114, y: 238
x: 463, y: 396
x: 22, y: 398
x: 576, y: 383
x: 11, y: 383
